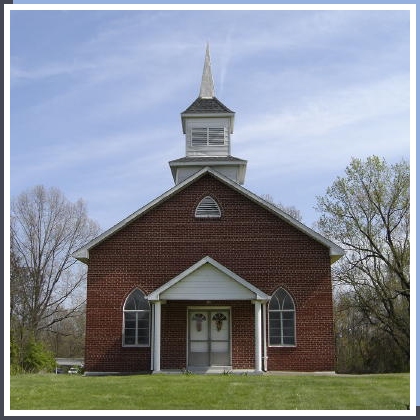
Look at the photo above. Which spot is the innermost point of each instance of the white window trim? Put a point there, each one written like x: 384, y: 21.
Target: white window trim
x: 282, y: 310
x: 136, y: 331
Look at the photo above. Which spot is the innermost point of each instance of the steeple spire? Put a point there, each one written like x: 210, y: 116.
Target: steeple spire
x: 207, y: 125
x: 207, y: 85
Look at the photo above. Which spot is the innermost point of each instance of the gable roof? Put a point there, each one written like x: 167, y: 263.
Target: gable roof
x: 336, y: 252
x: 187, y: 280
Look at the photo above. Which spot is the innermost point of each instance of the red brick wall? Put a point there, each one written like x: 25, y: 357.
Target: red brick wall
x: 249, y: 240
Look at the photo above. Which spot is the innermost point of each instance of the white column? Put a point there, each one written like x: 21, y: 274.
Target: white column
x: 264, y: 333
x: 156, y: 338
x: 257, y: 335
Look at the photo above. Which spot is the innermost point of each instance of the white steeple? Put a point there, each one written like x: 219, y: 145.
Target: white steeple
x: 207, y: 125
x: 207, y: 85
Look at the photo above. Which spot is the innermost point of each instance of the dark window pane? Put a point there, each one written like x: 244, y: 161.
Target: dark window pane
x: 143, y: 315
x: 275, y: 327
x: 275, y: 323
x: 143, y: 323
x: 274, y: 303
x: 130, y: 316
x: 130, y: 319
x: 289, y: 340
x: 288, y: 323
x: 288, y: 333
x: 143, y: 337
x: 129, y: 336
x: 275, y: 340
x: 288, y: 315
x: 129, y: 340
x: 130, y: 324
x: 130, y: 332
x: 288, y: 303
x: 142, y: 304
x: 130, y: 304
x: 142, y: 333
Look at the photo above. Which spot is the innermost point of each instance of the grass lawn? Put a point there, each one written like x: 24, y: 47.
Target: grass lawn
x: 209, y: 392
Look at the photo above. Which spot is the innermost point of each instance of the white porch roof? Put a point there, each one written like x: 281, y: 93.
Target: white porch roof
x: 207, y: 280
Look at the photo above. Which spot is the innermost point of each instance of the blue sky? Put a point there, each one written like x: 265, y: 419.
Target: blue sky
x: 96, y: 98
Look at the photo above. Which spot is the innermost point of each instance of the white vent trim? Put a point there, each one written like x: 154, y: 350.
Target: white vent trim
x: 208, y: 208
x: 208, y: 136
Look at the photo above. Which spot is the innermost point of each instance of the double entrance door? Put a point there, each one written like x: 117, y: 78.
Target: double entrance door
x: 209, y: 338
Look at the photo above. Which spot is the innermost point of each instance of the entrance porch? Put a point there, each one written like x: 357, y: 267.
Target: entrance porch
x: 208, y: 319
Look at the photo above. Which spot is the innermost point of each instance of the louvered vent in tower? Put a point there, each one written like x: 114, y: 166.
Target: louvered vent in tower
x: 207, y: 207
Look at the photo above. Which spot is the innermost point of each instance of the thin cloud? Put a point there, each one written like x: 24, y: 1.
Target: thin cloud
x: 101, y: 109
x: 226, y: 56
x: 50, y: 70
x: 319, y: 115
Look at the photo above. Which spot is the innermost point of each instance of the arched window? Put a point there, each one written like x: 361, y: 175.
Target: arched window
x: 136, y: 320
x: 281, y: 318
x: 207, y: 208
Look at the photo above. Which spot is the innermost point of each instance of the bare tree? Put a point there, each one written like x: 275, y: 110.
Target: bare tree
x: 290, y: 210
x: 45, y: 229
x: 67, y: 337
x: 368, y: 213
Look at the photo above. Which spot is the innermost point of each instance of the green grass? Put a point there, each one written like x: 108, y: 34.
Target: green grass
x: 209, y: 392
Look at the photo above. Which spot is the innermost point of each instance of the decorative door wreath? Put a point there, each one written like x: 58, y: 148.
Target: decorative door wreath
x: 219, y: 318
x: 199, y: 318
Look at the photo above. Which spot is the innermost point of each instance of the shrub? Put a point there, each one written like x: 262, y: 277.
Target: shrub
x: 15, y: 366
x: 37, y: 358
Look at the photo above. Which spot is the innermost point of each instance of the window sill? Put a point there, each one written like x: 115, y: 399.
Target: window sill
x: 135, y: 345
x: 283, y: 345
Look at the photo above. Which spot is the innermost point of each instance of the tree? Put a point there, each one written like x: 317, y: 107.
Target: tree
x: 45, y: 229
x: 367, y: 212
x: 361, y: 347
x: 290, y: 210
x: 67, y: 337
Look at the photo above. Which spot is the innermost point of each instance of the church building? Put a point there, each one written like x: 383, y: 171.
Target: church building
x: 209, y: 277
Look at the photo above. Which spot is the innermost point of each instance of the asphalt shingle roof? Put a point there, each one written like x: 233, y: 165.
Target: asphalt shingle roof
x: 207, y: 105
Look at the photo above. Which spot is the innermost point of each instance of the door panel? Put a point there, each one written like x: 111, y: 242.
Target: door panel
x: 209, y: 338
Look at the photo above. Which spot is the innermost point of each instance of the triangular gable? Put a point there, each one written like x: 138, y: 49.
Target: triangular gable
x: 336, y: 252
x: 207, y: 280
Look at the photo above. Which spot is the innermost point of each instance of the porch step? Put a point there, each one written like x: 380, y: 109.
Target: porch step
x: 210, y: 371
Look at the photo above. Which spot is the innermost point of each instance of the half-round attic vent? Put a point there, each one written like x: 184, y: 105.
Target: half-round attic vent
x: 207, y: 208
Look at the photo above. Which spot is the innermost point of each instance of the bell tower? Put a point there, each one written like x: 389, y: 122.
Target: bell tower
x: 207, y: 125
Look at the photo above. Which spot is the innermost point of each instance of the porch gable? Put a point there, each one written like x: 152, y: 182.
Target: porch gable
x: 207, y: 280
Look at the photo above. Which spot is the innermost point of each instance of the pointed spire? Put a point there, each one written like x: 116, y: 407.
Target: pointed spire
x: 207, y: 85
